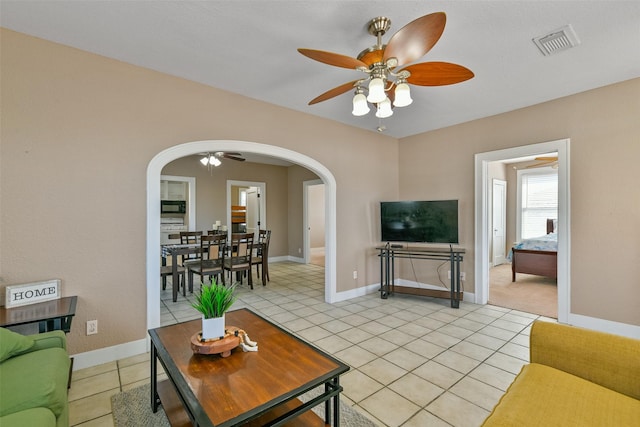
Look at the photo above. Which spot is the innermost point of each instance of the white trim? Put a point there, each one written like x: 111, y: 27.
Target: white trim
x: 564, y: 218
x: 110, y: 354
x: 154, y: 171
x: 602, y: 325
x: 306, y: 242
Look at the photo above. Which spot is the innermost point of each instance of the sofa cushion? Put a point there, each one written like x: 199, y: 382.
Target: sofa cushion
x: 544, y: 396
x: 12, y: 343
x: 36, y: 379
x: 40, y: 417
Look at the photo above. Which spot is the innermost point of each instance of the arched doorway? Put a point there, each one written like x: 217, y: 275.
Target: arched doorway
x: 153, y: 209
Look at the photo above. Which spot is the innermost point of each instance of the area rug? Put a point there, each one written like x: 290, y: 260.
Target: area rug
x: 132, y: 408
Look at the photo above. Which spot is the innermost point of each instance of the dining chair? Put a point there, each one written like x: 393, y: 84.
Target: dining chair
x: 166, y: 271
x: 192, y: 238
x: 261, y: 257
x: 239, y: 259
x: 212, y: 249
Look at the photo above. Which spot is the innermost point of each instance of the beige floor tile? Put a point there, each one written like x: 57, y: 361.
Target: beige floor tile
x: 333, y: 344
x: 506, y: 362
x: 438, y: 374
x: 457, y: 361
x: 355, y: 335
x: 389, y: 407
x: 92, y: 407
x: 355, y: 356
x: 314, y: 333
x: 357, y: 386
x: 423, y: 419
x: 424, y: 348
x: 507, y: 325
x: 104, y: 421
x: 493, y: 376
x: 92, y: 385
x: 134, y: 360
x: 378, y: 346
x: 297, y: 325
x: 441, y: 339
x: 476, y: 392
x: 404, y: 358
x: 416, y: 389
x: 485, y: 341
x: 374, y: 328
x: 133, y: 373
x: 516, y: 350
x: 94, y: 370
x: 397, y: 336
x: 471, y: 350
x: 382, y: 371
x: 457, y: 411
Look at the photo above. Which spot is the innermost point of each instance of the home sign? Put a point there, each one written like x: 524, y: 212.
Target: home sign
x: 30, y: 293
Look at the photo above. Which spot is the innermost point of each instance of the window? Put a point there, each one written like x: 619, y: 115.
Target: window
x: 537, y: 201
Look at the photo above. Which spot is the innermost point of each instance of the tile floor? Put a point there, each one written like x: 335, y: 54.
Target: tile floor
x: 415, y: 361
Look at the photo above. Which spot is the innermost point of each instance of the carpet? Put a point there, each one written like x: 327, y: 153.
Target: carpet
x: 529, y: 293
x: 132, y: 408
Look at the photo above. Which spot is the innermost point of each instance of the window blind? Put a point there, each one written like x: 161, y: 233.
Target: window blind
x: 539, y: 202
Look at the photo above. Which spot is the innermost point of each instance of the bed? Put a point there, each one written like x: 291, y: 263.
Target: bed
x: 537, y: 256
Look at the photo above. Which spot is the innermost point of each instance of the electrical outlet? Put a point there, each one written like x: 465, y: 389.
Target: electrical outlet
x: 463, y: 276
x: 355, y: 274
x: 92, y: 327
x: 299, y: 250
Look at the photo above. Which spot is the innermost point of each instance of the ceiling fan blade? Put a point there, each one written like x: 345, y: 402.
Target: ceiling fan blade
x: 333, y: 92
x: 539, y: 165
x: 548, y: 159
x: 415, y: 39
x: 437, y: 74
x: 333, y: 58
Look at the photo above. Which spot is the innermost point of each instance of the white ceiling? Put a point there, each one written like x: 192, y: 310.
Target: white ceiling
x: 249, y: 48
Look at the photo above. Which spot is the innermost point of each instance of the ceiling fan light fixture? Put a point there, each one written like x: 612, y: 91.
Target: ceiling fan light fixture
x: 360, y: 106
x: 204, y: 160
x: 214, y: 161
x: 384, y: 109
x: 403, y: 95
x: 376, y: 91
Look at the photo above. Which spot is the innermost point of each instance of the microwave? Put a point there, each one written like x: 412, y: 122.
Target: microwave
x: 173, y: 206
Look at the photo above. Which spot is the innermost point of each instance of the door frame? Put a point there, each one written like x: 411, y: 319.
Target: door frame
x: 482, y: 218
x: 503, y: 183
x: 263, y: 198
x: 306, y: 241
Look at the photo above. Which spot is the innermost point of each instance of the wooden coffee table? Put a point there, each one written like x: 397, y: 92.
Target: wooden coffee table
x: 258, y: 388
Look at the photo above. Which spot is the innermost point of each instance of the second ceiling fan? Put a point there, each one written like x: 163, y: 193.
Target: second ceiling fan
x: 390, y: 65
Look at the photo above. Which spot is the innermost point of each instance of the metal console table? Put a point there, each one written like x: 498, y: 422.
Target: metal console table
x: 389, y: 253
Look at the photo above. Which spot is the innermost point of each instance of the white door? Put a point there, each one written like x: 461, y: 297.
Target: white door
x: 253, y: 210
x: 499, y: 214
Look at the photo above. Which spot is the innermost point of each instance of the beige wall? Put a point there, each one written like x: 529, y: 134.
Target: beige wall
x: 78, y: 132
x: 604, y: 130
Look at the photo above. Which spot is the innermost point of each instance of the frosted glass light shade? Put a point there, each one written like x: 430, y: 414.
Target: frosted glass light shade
x: 403, y: 95
x: 384, y: 109
x: 214, y: 161
x: 376, y: 91
x: 360, y: 106
x: 204, y: 160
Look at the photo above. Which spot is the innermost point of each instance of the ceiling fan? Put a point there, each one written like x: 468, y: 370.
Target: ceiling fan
x: 214, y: 159
x: 551, y: 161
x: 390, y: 65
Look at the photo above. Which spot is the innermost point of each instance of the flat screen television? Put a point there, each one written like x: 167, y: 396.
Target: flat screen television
x: 434, y: 221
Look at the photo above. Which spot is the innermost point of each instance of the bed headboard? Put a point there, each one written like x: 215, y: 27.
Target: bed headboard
x: 550, y: 225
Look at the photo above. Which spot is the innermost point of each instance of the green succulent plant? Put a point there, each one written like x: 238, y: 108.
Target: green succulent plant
x: 214, y: 299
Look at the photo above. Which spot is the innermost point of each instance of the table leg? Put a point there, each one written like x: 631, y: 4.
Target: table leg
x: 155, y: 399
x: 175, y: 280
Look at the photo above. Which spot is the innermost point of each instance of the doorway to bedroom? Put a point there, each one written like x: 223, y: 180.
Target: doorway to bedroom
x: 524, y: 198
x: 520, y: 189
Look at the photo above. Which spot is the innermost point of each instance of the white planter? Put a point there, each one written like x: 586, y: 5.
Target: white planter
x: 212, y: 328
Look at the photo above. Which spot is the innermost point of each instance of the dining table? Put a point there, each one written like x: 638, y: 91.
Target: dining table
x: 174, y: 250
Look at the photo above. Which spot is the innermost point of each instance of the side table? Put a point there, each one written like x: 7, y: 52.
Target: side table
x: 50, y: 315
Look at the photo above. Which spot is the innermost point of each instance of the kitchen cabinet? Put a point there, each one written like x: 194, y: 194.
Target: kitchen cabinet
x: 173, y: 190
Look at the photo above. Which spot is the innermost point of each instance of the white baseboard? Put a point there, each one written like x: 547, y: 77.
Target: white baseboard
x: 602, y: 325
x: 109, y: 354
x: 319, y: 249
x: 357, y: 292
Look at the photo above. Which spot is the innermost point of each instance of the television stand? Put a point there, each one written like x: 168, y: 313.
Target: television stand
x: 389, y: 253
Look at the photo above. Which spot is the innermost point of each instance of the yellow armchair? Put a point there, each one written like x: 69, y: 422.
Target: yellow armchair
x: 576, y: 377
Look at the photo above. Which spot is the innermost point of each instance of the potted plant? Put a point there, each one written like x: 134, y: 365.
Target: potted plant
x: 213, y: 301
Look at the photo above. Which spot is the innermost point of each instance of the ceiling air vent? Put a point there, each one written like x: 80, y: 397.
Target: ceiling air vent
x: 561, y: 39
